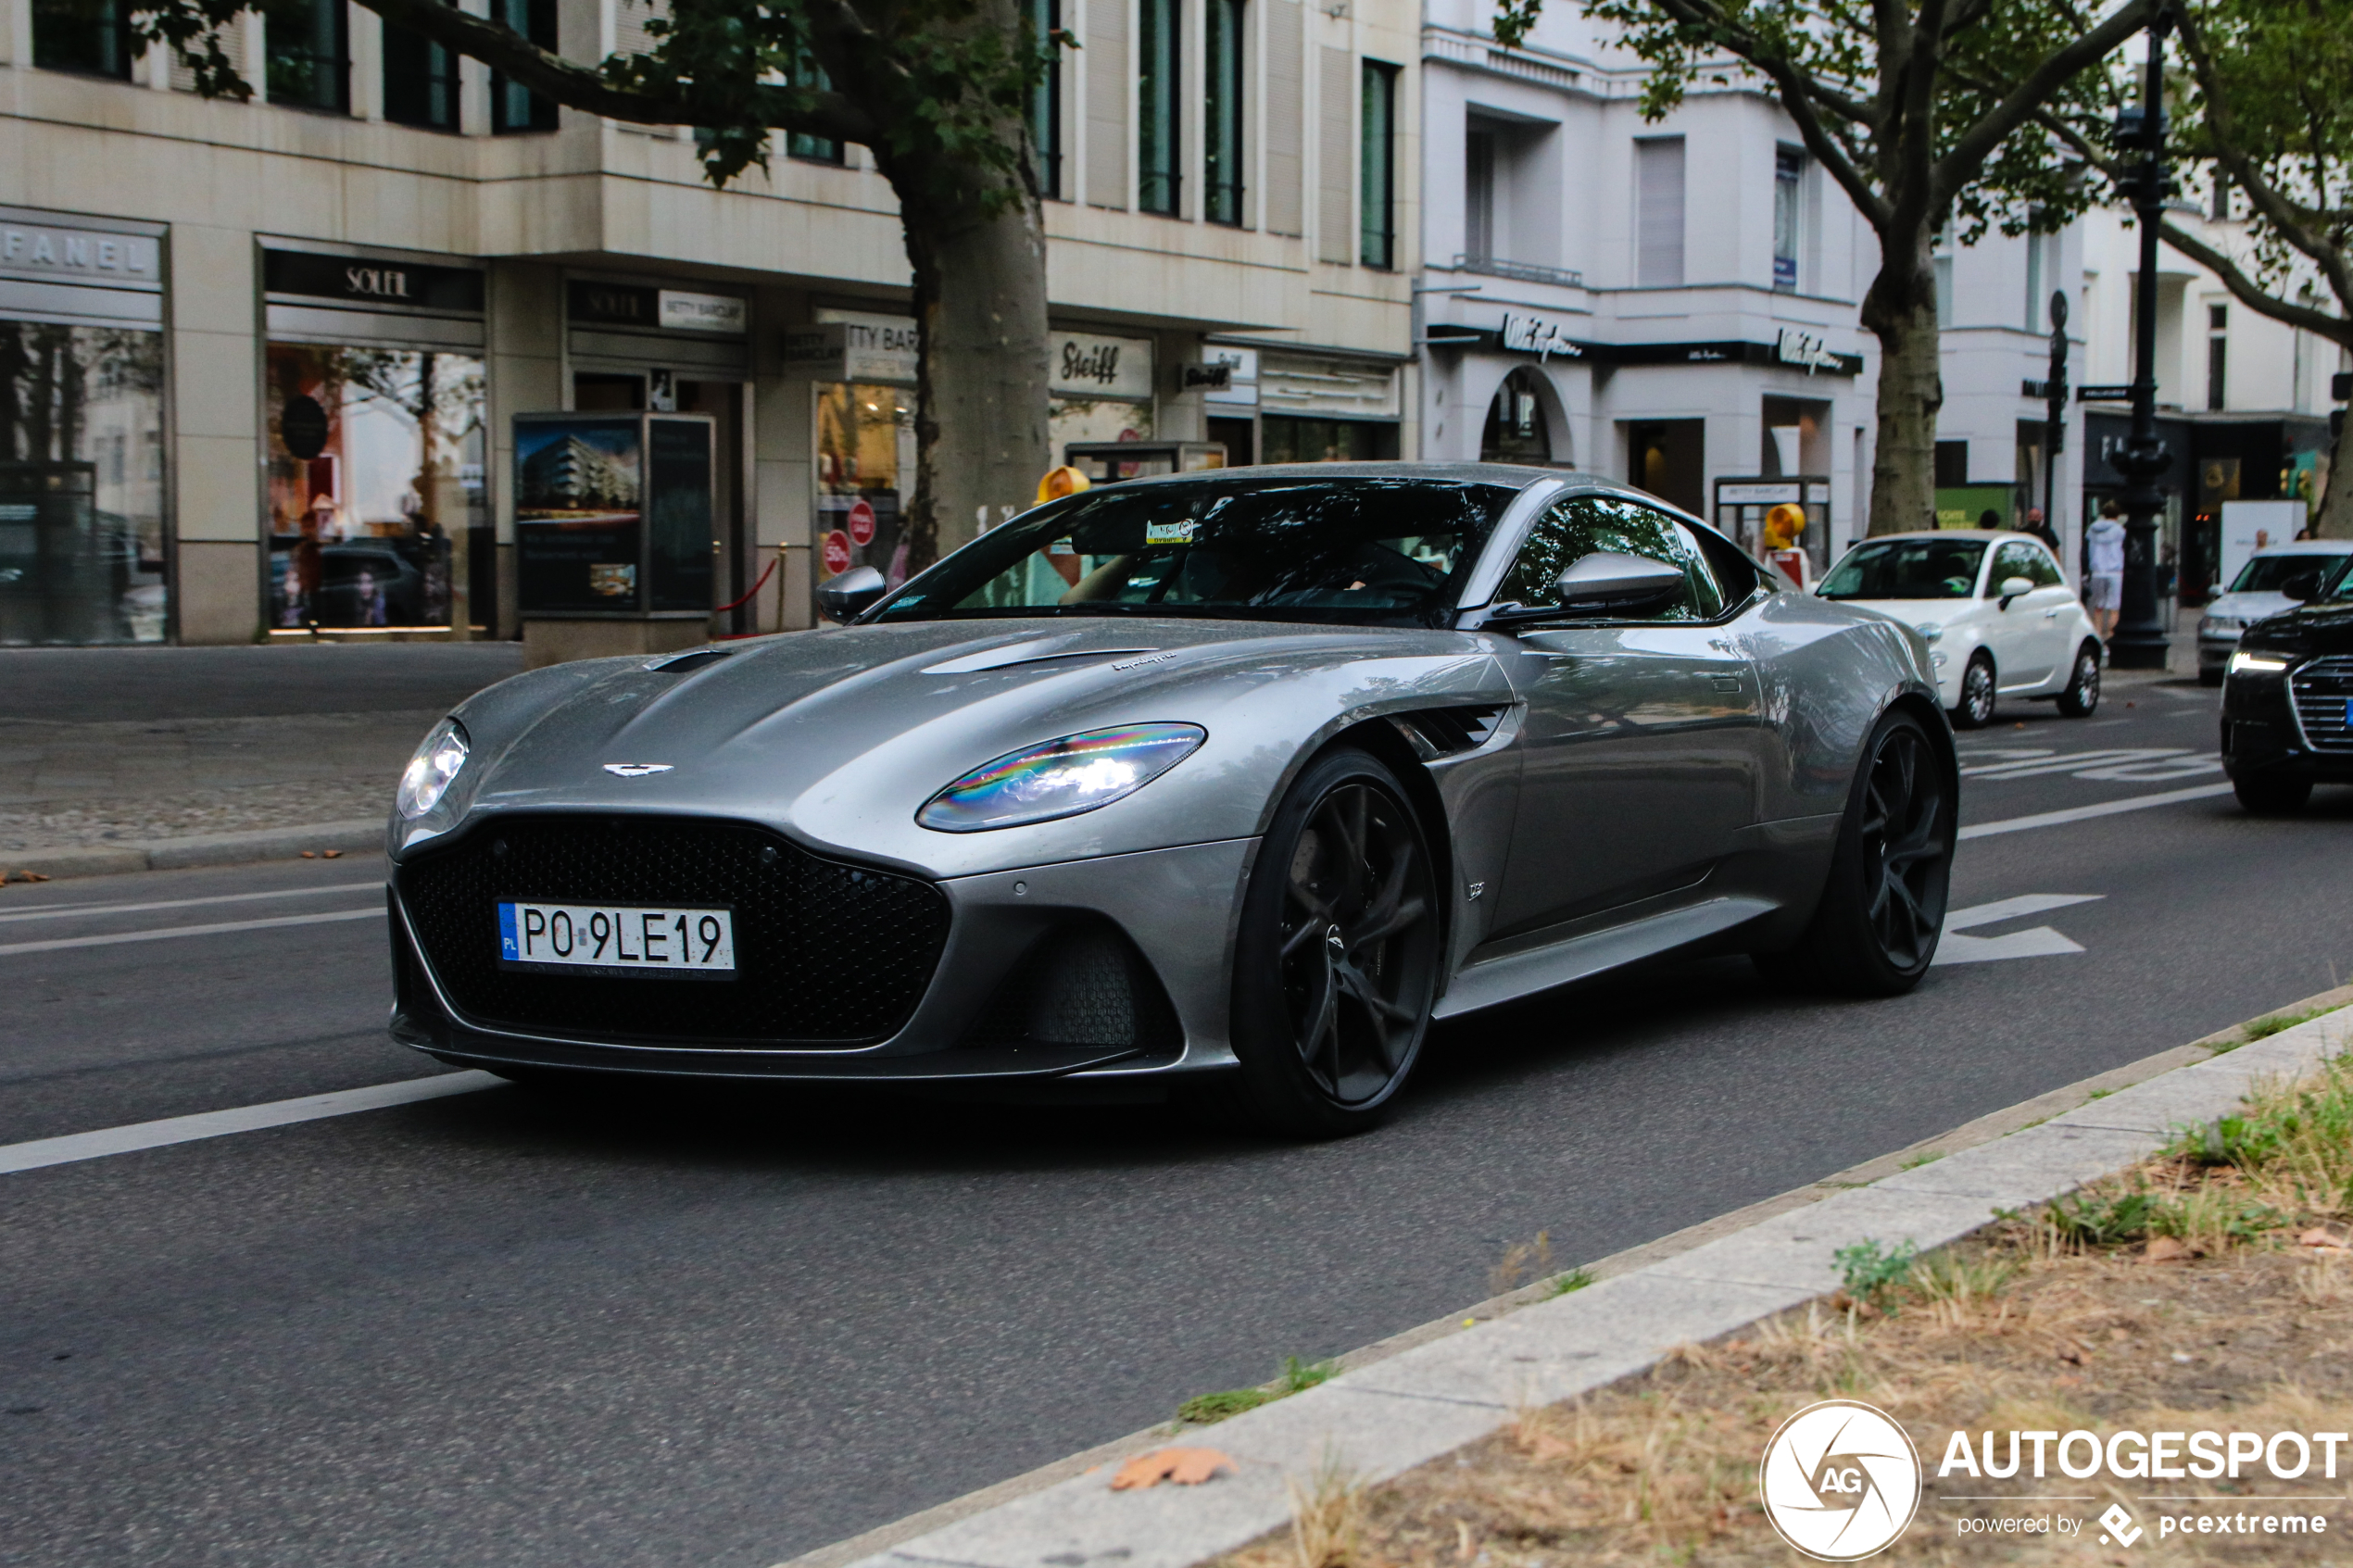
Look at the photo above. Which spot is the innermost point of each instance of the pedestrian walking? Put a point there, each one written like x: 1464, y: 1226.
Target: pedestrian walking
x: 2040, y: 529
x: 2103, y: 552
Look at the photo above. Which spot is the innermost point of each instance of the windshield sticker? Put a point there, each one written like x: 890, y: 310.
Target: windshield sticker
x: 1060, y: 547
x: 1176, y: 531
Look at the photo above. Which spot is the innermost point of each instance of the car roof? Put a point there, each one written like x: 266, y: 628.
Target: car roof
x: 1954, y: 533
x: 2308, y: 547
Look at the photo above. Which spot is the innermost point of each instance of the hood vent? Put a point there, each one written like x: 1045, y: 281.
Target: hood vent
x: 687, y: 661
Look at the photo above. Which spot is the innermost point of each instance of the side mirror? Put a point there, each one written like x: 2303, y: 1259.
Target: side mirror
x: 1603, y: 583
x: 2302, y: 588
x: 844, y: 598
x: 2013, y: 586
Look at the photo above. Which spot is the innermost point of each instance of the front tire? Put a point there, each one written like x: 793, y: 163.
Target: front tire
x: 1975, y: 710
x: 1337, y: 961
x: 2272, y: 795
x: 1876, y: 929
x: 2082, y: 698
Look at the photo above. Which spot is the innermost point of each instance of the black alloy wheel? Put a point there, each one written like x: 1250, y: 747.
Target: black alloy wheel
x: 1876, y: 930
x: 1976, y: 709
x: 2082, y: 698
x: 1337, y: 963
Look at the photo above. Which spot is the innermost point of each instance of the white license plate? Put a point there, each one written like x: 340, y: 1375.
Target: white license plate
x: 618, y: 939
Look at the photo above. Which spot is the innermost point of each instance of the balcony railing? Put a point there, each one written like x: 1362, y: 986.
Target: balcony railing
x: 1519, y: 271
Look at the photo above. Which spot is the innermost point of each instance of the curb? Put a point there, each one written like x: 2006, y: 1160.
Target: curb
x: 198, y: 849
x: 1410, y: 1398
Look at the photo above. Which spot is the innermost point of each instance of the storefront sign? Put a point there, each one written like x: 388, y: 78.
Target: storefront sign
x: 861, y: 522
x: 1350, y: 388
x: 854, y: 346
x: 1767, y: 495
x: 1083, y: 365
x: 611, y: 305
x: 1241, y: 381
x: 1533, y: 334
x: 682, y: 312
x: 50, y: 250
x: 836, y: 551
x: 373, y: 284
x: 1808, y: 349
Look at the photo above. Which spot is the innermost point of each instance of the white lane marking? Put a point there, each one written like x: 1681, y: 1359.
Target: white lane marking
x: 113, y: 938
x: 2143, y: 764
x: 68, y: 912
x: 2085, y: 813
x: 65, y: 1150
x: 2037, y: 943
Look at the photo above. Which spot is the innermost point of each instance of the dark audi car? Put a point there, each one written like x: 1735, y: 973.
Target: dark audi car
x: 2287, y: 703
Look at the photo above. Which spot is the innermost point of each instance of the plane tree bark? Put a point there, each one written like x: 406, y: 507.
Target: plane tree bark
x: 1927, y: 114
x: 938, y: 90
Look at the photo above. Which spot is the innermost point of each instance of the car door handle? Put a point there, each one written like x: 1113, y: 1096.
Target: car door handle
x: 2050, y: 614
x: 1724, y: 683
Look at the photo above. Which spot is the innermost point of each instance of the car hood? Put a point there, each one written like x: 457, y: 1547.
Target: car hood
x: 1914, y: 613
x: 2249, y: 607
x: 2310, y: 629
x: 836, y: 737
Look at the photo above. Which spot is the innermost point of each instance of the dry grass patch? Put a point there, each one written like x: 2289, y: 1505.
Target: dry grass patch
x: 2188, y: 1294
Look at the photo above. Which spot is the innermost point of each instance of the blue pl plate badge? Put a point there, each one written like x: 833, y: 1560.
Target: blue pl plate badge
x: 507, y: 948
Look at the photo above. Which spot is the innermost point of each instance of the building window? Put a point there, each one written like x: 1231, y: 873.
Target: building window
x: 512, y: 106
x: 1943, y: 264
x: 2218, y: 347
x: 2034, y: 243
x: 1658, y: 212
x: 1479, y: 194
x: 1377, y: 166
x: 420, y: 80
x: 807, y: 72
x: 1046, y: 98
x: 91, y: 36
x: 1221, y: 152
x: 1789, y: 179
x: 1158, y: 184
x: 308, y: 54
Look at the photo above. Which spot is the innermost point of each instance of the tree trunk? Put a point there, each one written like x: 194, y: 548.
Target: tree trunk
x: 1901, y: 312
x: 2334, y: 520
x: 980, y: 375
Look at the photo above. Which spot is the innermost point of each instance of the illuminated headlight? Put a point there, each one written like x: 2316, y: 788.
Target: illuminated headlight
x: 2244, y: 663
x: 429, y: 772
x: 1060, y: 778
x: 2220, y: 623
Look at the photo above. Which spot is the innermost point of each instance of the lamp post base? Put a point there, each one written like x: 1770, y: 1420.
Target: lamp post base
x: 2145, y: 651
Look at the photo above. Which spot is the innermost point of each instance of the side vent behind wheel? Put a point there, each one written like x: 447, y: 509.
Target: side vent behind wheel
x: 1447, y: 732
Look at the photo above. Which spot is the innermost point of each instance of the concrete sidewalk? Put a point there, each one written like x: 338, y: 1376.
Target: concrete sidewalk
x: 113, y: 754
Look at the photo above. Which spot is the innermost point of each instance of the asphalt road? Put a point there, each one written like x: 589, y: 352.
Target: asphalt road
x: 693, y: 1330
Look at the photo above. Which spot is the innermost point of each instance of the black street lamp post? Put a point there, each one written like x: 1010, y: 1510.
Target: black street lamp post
x: 2055, y: 411
x: 2140, y: 641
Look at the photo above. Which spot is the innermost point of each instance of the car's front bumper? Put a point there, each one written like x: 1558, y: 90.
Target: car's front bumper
x: 2260, y: 736
x: 1031, y: 981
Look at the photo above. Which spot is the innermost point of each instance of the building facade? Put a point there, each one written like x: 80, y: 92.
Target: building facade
x: 264, y: 366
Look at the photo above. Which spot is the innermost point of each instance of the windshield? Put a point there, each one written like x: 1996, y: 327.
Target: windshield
x: 1364, y: 551
x: 2266, y: 574
x: 1906, y: 569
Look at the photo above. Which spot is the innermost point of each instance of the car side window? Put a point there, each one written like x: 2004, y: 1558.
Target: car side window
x: 2014, y: 558
x: 2042, y: 568
x: 1584, y: 524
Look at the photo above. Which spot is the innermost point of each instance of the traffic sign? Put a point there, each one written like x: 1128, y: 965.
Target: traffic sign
x: 862, y: 521
x: 2112, y: 393
x: 836, y: 551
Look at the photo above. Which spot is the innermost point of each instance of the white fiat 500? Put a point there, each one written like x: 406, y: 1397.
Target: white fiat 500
x: 2000, y: 618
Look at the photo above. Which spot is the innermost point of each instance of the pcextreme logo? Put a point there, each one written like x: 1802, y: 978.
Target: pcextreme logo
x: 1840, y: 1481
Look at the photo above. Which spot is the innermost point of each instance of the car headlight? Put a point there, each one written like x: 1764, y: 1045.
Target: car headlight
x: 427, y: 777
x: 1060, y: 778
x: 2246, y: 663
x: 2221, y: 623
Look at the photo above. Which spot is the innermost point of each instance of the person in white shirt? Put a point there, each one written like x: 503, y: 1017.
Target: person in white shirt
x: 2104, y: 547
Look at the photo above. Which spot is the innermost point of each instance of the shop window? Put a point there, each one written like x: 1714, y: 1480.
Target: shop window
x: 420, y: 80
x: 865, y: 473
x: 1046, y: 97
x: 1667, y: 457
x: 807, y: 72
x: 376, y: 502
x: 1240, y: 438
x: 1952, y: 463
x: 308, y: 54
x: 1157, y: 184
x: 1516, y: 429
x: 514, y: 106
x: 91, y: 36
x: 1377, y: 166
x: 1479, y: 194
x: 81, y: 493
x: 2217, y: 356
x: 1289, y: 439
x: 1221, y: 153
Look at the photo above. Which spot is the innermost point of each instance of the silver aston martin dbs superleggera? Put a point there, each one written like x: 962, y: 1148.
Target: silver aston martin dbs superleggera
x: 1240, y: 777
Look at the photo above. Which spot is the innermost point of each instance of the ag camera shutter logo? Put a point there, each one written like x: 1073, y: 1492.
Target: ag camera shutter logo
x: 1840, y: 1481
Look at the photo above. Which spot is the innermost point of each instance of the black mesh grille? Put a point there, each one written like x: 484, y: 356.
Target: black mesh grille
x: 827, y: 954
x: 2322, y: 691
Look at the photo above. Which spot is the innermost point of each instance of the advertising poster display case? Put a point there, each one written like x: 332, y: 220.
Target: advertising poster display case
x: 613, y: 515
